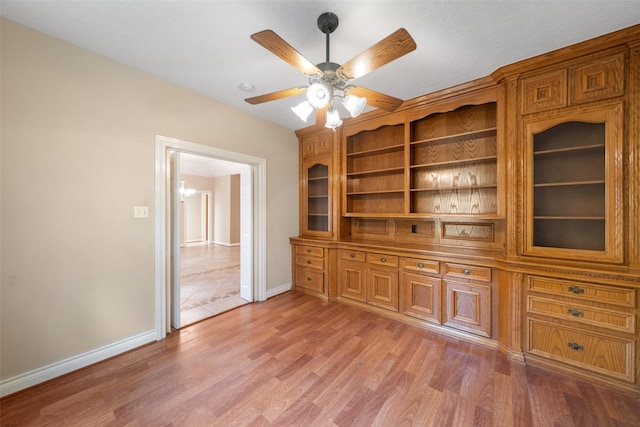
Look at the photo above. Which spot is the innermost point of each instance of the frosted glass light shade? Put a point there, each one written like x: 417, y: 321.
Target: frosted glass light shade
x: 303, y: 110
x: 354, y: 104
x: 333, y: 119
x: 319, y: 95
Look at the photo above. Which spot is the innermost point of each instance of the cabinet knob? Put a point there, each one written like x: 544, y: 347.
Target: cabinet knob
x: 352, y: 255
x: 575, y: 346
x: 308, y: 279
x: 420, y: 265
x: 308, y: 261
x: 576, y: 290
x: 383, y: 260
x: 308, y: 250
x: 466, y: 271
x: 575, y: 313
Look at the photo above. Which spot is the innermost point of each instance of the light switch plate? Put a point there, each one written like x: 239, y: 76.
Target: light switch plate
x: 141, y: 212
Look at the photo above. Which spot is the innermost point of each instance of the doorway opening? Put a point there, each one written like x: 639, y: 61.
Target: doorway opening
x: 170, y: 232
x: 206, y: 262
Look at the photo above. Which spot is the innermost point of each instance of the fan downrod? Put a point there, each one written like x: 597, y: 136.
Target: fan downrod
x: 327, y: 22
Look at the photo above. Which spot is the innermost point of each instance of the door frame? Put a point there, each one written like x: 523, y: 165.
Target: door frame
x: 163, y: 145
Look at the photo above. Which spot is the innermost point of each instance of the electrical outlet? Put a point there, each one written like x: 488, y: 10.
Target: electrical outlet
x: 414, y: 228
x: 141, y: 212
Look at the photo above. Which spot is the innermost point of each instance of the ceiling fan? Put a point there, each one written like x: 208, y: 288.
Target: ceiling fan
x: 328, y: 80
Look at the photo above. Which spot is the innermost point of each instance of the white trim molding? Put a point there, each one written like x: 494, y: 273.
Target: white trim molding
x: 259, y: 176
x: 278, y: 290
x: 40, y: 375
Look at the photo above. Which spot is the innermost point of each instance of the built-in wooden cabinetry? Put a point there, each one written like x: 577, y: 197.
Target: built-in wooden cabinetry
x: 503, y: 211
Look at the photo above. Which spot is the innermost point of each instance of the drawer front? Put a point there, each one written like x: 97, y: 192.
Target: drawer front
x: 421, y: 265
x: 352, y: 255
x: 312, y: 262
x: 310, y: 279
x: 616, y: 320
x: 607, y: 355
x: 597, y: 80
x: 625, y: 297
x: 544, y: 92
x: 309, y: 251
x: 382, y: 259
x: 468, y: 271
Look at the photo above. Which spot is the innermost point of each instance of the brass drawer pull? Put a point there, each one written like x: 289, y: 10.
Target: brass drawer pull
x: 383, y: 260
x: 466, y: 271
x: 352, y: 255
x: 308, y: 250
x: 576, y: 290
x: 575, y: 346
x: 420, y: 265
x: 575, y: 313
x: 308, y: 261
x: 308, y: 279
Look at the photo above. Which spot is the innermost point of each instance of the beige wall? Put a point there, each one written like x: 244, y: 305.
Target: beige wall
x: 78, y: 134
x: 226, y: 210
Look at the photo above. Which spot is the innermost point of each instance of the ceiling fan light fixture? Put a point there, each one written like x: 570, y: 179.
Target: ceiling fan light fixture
x: 303, y: 110
x: 319, y: 95
x: 355, y: 105
x: 333, y: 119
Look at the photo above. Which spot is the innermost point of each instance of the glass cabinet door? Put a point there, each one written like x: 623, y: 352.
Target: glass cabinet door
x: 317, y: 197
x: 574, y: 174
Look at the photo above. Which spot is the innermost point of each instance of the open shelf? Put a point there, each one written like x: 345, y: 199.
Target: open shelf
x: 459, y: 137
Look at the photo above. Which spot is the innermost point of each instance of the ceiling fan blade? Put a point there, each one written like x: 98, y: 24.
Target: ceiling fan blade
x: 276, y: 45
x: 276, y: 95
x: 375, y: 99
x: 386, y: 50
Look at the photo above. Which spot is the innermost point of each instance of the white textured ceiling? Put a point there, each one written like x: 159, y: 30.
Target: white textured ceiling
x: 205, y: 46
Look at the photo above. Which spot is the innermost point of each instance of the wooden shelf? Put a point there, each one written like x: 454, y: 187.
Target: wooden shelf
x: 471, y: 187
x: 455, y: 162
x: 381, y: 150
x: 376, y: 172
x: 364, y: 193
x: 447, y: 139
x: 321, y: 178
x: 569, y: 184
x: 569, y: 149
x: 571, y: 218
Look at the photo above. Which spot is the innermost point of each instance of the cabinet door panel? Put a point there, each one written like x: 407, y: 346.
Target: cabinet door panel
x: 469, y: 308
x: 383, y: 287
x: 352, y: 280
x: 420, y: 296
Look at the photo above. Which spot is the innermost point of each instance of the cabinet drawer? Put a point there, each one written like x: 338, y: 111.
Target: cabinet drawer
x: 352, y: 255
x: 310, y: 279
x: 597, y: 80
x: 421, y: 265
x: 619, y: 321
x: 625, y: 297
x: 310, y: 251
x: 545, y: 92
x: 313, y: 262
x: 468, y: 271
x: 607, y: 355
x: 382, y: 259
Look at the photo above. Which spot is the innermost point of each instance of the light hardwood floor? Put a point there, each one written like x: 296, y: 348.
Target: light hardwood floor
x: 295, y: 360
x: 209, y: 281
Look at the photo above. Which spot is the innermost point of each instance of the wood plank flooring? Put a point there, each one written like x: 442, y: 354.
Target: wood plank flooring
x: 295, y: 360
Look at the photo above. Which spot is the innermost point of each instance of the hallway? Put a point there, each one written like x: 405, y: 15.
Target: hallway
x: 209, y: 281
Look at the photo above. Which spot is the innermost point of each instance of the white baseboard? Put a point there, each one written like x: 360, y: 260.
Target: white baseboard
x: 278, y: 290
x: 226, y: 244
x: 40, y: 375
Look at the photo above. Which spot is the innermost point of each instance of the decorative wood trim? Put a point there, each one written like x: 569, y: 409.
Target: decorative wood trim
x: 467, y: 233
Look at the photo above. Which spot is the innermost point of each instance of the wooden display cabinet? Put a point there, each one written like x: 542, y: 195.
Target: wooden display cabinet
x: 573, y: 175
